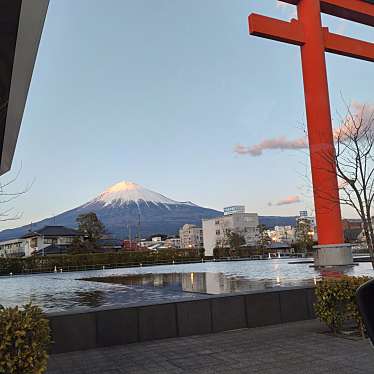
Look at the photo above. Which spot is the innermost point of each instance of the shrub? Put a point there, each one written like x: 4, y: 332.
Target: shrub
x: 336, y: 301
x: 11, y: 265
x: 24, y: 340
x: 69, y: 261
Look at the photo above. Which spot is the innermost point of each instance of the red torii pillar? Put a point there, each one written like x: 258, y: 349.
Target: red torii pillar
x: 314, y: 40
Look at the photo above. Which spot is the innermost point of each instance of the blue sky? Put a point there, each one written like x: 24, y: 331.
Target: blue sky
x: 160, y: 93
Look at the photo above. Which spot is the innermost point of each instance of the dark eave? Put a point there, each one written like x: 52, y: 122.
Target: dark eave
x: 361, y: 11
x: 21, y: 25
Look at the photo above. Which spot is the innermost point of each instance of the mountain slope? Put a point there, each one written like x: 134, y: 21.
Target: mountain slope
x: 271, y: 221
x: 125, y: 207
x: 128, y: 207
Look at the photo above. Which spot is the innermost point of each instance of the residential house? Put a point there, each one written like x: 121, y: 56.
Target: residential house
x: 50, y: 240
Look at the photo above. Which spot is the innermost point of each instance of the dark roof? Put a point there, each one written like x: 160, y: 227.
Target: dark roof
x: 352, y: 234
x: 52, y: 249
x: 275, y: 245
x: 53, y: 231
x: 21, y: 24
x: 110, y: 242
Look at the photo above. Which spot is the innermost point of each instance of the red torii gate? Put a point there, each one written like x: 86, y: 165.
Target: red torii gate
x: 308, y: 33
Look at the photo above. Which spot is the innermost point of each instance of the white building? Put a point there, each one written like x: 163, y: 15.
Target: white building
x: 154, y: 244
x: 304, y: 218
x: 146, y: 243
x: 173, y: 243
x: 215, y: 230
x: 234, y: 209
x: 191, y: 236
x: 157, y: 239
x: 303, y: 213
x: 13, y: 248
x: 48, y: 240
x: 282, y: 234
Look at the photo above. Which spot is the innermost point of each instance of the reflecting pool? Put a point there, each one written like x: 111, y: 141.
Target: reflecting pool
x: 69, y: 291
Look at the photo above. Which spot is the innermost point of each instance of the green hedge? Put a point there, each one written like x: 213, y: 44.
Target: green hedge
x: 24, y: 340
x: 69, y: 262
x: 336, y: 302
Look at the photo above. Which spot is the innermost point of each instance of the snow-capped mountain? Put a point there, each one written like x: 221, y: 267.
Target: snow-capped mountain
x: 127, y: 206
x: 125, y: 193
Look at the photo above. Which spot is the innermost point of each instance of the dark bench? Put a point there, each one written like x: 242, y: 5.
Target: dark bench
x: 365, y: 300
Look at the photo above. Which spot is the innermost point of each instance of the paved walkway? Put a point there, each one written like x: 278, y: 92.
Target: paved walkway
x: 294, y: 348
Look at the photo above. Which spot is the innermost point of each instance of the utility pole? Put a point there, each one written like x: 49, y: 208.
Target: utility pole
x: 129, y: 232
x: 138, y: 233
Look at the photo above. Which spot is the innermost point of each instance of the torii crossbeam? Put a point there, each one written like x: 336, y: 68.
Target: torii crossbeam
x: 314, y: 40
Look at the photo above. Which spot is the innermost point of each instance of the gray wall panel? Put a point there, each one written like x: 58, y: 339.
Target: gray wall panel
x: 73, y: 332
x: 294, y: 305
x: 228, y: 313
x: 157, y: 322
x: 263, y: 309
x: 116, y: 327
x: 194, y: 317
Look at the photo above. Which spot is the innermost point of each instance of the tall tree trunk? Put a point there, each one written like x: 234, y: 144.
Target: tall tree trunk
x: 369, y: 240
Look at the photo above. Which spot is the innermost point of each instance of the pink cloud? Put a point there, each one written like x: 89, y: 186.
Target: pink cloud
x: 294, y: 199
x: 283, y: 143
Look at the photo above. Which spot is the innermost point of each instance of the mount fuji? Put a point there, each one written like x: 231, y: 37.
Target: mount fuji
x: 128, y: 206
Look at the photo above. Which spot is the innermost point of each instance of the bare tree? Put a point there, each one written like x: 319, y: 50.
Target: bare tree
x: 354, y: 159
x: 8, y: 213
x: 6, y: 196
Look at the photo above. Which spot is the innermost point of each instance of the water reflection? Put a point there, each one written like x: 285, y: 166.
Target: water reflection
x: 198, y: 282
x: 67, y: 291
x: 91, y: 299
x: 220, y: 283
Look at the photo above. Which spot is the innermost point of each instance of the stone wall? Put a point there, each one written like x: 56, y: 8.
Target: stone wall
x: 143, y: 322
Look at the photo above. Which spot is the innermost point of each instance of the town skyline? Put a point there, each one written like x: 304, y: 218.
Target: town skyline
x: 121, y: 199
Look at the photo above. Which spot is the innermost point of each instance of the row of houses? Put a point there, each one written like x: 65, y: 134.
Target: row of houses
x: 290, y: 234
x: 352, y: 229
x: 48, y: 240
x: 52, y: 240
x: 211, y: 234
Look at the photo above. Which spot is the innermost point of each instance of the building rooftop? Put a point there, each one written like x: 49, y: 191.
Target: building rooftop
x: 52, y: 249
x: 53, y: 231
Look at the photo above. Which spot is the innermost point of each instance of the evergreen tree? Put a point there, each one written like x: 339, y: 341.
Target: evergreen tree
x: 91, y: 227
x: 304, y: 235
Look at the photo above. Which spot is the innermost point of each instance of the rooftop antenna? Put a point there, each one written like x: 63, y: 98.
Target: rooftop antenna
x: 138, y: 233
x: 129, y: 232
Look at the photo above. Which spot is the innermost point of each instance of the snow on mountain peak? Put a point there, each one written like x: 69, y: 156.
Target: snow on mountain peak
x: 126, y: 192
x: 123, y: 186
